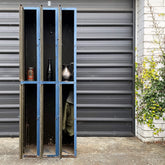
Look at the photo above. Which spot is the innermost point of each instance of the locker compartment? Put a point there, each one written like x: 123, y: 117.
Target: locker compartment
x: 49, y: 119
x: 30, y: 119
x: 67, y: 44
x: 67, y: 120
x: 30, y: 52
x: 49, y: 45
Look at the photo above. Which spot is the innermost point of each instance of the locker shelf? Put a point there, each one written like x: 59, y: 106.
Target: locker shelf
x: 28, y: 82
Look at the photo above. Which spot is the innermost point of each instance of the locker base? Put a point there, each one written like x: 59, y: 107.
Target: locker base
x: 30, y: 150
x: 49, y: 150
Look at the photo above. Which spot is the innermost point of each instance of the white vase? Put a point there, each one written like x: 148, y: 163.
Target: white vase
x: 66, y: 73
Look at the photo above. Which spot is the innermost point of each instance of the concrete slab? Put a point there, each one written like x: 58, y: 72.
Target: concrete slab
x: 92, y: 151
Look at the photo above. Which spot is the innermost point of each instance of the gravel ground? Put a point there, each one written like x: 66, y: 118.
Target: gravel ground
x: 92, y: 151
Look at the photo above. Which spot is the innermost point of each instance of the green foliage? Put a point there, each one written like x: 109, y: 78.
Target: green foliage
x: 150, y: 95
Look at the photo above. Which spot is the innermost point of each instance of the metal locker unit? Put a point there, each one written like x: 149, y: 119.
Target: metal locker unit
x: 47, y: 34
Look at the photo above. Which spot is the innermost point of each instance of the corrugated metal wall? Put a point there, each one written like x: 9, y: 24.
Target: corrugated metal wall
x: 9, y: 73
x: 105, y: 66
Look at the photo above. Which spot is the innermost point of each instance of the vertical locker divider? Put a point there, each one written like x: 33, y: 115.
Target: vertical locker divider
x: 38, y: 119
x: 75, y: 84
x: 41, y: 118
x: 60, y: 76
x: 57, y: 86
x: 57, y: 120
x: 38, y: 81
x: 38, y: 44
x: 59, y: 44
x: 21, y: 47
x: 41, y: 45
x: 41, y: 85
x: 21, y: 122
x: 21, y: 43
x: 60, y: 120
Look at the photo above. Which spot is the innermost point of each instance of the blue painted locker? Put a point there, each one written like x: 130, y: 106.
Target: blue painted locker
x: 47, y: 40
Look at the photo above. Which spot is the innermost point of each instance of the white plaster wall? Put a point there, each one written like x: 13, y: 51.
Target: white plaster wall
x: 144, y: 43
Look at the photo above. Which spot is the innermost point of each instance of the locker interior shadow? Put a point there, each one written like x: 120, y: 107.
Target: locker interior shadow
x: 30, y: 122
x: 67, y: 120
x: 49, y: 139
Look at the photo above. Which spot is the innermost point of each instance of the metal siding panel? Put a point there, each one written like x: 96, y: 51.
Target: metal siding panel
x: 104, y: 126
x: 9, y: 46
x: 9, y: 18
x: 9, y: 73
x: 103, y: 46
x: 7, y: 32
x: 117, y: 59
x: 9, y: 87
x: 98, y: 18
x: 105, y: 37
x: 103, y: 32
x: 9, y: 99
x: 104, y: 85
x: 104, y: 99
x: 9, y: 129
x: 102, y: 113
x: 9, y: 114
x: 9, y: 60
x: 104, y: 72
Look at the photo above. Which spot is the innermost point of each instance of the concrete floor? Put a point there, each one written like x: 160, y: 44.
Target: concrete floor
x: 92, y: 151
